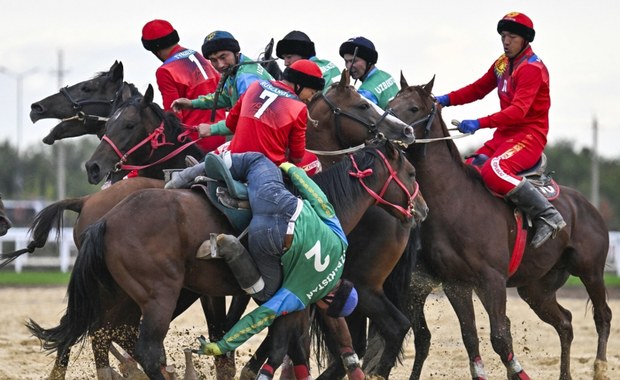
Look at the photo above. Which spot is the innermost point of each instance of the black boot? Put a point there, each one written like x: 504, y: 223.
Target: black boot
x: 547, y: 220
x: 241, y: 264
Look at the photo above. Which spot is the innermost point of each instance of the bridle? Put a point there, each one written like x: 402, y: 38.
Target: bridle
x: 361, y: 174
x: 78, y: 105
x: 156, y: 139
x: 337, y: 112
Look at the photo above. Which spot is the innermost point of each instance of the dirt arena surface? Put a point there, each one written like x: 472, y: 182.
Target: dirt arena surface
x: 536, y: 344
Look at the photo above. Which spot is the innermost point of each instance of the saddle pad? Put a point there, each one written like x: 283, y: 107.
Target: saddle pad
x: 239, y: 219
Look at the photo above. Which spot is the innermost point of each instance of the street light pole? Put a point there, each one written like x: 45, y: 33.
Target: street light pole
x: 19, y: 82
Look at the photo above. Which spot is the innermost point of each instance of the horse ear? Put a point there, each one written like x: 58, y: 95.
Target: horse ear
x: 116, y: 71
x: 429, y: 86
x: 268, y: 50
x: 403, y: 81
x: 344, y: 79
x: 148, y: 95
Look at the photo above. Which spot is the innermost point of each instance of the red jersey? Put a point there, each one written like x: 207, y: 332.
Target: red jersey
x: 523, y: 88
x: 269, y: 118
x: 187, y: 74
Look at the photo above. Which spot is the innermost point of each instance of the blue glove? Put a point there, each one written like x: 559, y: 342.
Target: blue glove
x: 444, y: 100
x: 207, y: 348
x: 469, y: 126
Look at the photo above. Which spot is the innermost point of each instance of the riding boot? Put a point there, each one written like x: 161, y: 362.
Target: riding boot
x: 185, y: 178
x: 547, y: 220
x: 239, y: 261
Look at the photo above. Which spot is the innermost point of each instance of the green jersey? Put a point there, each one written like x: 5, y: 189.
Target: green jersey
x: 329, y: 71
x: 379, y: 86
x: 312, y: 265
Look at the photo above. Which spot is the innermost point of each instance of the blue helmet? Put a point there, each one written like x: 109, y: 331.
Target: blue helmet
x: 342, y: 301
x: 365, y: 49
x: 217, y: 41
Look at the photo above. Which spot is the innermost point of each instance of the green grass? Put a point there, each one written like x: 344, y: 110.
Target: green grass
x: 31, y: 278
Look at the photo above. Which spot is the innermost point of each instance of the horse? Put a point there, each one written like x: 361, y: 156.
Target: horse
x: 362, y: 120
x: 455, y: 254
x: 5, y: 222
x: 122, y: 250
x: 150, y: 151
x: 84, y: 107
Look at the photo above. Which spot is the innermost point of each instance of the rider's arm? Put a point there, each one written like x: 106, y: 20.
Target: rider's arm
x: 283, y: 302
x: 206, y: 101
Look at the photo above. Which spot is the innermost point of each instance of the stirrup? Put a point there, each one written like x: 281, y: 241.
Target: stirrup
x: 208, y: 249
x: 223, y: 195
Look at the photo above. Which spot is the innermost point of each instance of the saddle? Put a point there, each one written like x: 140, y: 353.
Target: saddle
x: 536, y: 175
x: 226, y: 193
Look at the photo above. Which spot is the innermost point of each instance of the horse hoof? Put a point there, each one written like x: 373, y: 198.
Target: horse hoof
x: 600, y: 370
x: 356, y: 374
x: 521, y: 376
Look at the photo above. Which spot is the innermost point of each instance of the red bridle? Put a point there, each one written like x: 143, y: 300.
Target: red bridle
x: 360, y: 174
x: 157, y: 139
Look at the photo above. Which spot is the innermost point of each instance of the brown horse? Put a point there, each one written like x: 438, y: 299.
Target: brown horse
x: 455, y: 254
x: 152, y: 268
x: 356, y: 127
x: 5, y: 222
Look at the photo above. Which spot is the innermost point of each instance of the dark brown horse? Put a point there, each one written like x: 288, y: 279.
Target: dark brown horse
x: 467, y: 242
x: 5, y: 222
x: 84, y: 107
x: 152, y: 257
x: 357, y: 125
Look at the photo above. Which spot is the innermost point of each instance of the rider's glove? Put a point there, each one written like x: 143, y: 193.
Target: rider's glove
x: 444, y: 100
x: 469, y: 126
x: 207, y: 348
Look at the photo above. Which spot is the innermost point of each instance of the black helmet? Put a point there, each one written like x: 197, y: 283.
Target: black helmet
x: 295, y: 42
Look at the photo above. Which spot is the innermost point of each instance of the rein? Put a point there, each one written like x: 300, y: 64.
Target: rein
x: 361, y: 174
x: 373, y: 128
x: 84, y: 117
x: 157, y: 139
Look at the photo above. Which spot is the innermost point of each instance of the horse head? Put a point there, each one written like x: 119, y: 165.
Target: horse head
x: 5, y: 222
x: 140, y: 136
x: 346, y: 120
x: 83, y: 107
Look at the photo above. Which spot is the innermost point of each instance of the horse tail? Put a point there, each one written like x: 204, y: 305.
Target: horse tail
x: 47, y: 219
x: 319, y: 337
x: 83, y: 313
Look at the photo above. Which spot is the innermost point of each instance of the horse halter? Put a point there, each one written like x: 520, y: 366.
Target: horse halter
x: 156, y: 139
x: 82, y: 116
x: 373, y: 128
x: 361, y: 174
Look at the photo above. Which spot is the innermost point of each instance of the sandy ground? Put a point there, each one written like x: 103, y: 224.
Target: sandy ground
x: 536, y: 344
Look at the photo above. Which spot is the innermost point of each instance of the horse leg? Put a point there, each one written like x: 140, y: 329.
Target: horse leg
x: 339, y: 331
x: 543, y: 301
x: 156, y: 317
x: 252, y: 367
x: 60, y: 367
x: 215, y: 314
x: 460, y: 298
x: 390, y: 322
x: 590, y: 269
x: 492, y: 294
x: 418, y: 292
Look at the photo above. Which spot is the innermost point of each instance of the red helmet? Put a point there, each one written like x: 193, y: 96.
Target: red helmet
x: 158, y: 34
x: 305, y: 73
x: 517, y: 23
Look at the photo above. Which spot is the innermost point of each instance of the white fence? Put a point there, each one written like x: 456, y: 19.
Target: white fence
x: 63, y: 257
x: 66, y: 250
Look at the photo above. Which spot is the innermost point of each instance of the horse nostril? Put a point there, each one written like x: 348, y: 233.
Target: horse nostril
x: 37, y: 108
x: 409, y: 131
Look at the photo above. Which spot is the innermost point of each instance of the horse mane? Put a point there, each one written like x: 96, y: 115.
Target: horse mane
x: 339, y: 186
x: 452, y: 148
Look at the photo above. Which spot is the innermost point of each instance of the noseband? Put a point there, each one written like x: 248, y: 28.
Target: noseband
x: 84, y: 117
x: 361, y: 174
x: 373, y: 128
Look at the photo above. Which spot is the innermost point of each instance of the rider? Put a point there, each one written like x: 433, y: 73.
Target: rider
x: 184, y: 73
x: 297, y: 250
x: 522, y: 83
x: 223, y: 50
x: 270, y: 118
x: 360, y: 58
x: 297, y: 45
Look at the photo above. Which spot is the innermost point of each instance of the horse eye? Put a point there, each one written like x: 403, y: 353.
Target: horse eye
x: 86, y: 89
x: 414, y: 109
x: 364, y: 106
